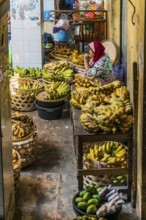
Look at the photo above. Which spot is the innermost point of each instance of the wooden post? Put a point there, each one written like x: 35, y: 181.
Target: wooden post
x: 135, y: 114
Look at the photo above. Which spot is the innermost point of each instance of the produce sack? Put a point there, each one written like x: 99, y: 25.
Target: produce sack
x: 62, y: 36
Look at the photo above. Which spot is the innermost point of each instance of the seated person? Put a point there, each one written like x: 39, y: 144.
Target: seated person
x: 97, y: 63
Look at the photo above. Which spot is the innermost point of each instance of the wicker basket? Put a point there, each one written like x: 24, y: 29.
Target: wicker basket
x: 58, y: 57
x: 17, y: 170
x: 23, y: 100
x: 27, y: 150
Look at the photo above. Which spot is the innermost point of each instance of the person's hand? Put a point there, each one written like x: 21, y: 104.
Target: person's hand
x: 86, y: 56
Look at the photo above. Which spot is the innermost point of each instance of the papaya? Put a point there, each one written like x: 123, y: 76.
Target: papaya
x: 82, y: 193
x: 87, y: 196
x: 91, y: 209
x: 93, y: 201
x: 82, y: 206
x: 79, y: 199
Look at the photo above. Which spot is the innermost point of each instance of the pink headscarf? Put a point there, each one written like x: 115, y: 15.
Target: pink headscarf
x: 98, y: 49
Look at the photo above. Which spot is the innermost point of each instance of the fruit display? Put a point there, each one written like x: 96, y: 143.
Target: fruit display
x: 79, y: 97
x: 83, y: 81
x: 26, y: 72
x: 22, y: 125
x: 57, y: 90
x: 77, y: 58
x: 54, y: 65
x: 100, y: 201
x: 28, y: 85
x: 25, y: 88
x: 61, y: 74
x: 109, y: 154
x: 110, y: 111
x: 62, y: 52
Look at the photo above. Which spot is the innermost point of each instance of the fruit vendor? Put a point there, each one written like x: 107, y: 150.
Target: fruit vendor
x: 97, y: 63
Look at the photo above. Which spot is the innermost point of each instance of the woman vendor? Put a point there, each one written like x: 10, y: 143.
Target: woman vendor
x: 97, y: 63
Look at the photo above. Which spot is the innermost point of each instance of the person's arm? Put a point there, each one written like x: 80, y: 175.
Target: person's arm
x: 86, y: 61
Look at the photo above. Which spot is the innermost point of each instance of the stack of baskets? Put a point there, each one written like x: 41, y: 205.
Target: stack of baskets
x: 24, y: 99
x: 25, y: 142
x: 17, y: 170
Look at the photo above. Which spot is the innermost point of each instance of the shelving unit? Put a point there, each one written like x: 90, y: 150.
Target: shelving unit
x: 81, y: 136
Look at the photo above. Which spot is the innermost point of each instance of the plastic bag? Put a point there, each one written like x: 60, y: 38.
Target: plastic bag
x: 118, y: 71
x: 63, y: 24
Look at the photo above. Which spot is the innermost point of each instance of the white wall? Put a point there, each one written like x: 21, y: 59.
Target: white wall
x: 26, y: 33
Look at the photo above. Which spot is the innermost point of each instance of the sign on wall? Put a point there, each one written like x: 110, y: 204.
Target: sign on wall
x: 26, y: 10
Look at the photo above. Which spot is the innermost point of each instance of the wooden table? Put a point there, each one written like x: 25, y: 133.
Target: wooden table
x: 81, y: 136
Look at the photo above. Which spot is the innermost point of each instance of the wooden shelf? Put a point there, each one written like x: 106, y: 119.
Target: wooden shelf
x: 81, y: 136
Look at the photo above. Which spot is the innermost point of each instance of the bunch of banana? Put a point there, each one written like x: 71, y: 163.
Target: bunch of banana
x: 28, y: 85
x: 126, y: 123
x: 29, y: 72
x: 113, y: 154
x: 79, y: 97
x: 56, y: 65
x: 57, y: 90
x: 83, y: 81
x: 108, y: 88
x: 109, y: 118
x: 77, y: 58
x: 67, y: 73
x: 62, y: 52
x: 122, y: 93
x: 19, y: 129
x: 89, y: 123
x: 61, y: 74
x: 51, y: 76
x: 22, y: 117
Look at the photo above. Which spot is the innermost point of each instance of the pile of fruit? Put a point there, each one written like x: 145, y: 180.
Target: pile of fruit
x: 107, y: 155
x: 26, y: 72
x: 62, y: 52
x: 55, y: 65
x: 105, y: 108
x: 58, y: 71
x: 57, y: 90
x: 77, y: 58
x: 22, y: 125
x: 98, y: 201
x: 83, y: 81
x: 79, y: 97
x: 25, y: 88
x: 110, y: 154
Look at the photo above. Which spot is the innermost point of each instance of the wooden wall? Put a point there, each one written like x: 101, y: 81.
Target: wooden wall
x: 133, y: 40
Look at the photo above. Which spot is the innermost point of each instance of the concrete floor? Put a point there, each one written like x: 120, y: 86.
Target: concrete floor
x: 48, y: 184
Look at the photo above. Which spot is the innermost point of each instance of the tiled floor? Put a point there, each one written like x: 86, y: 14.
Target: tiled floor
x: 48, y: 185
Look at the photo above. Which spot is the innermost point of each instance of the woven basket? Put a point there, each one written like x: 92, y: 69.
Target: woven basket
x: 22, y: 103
x: 27, y: 150
x: 23, y: 100
x: 17, y: 171
x: 58, y: 57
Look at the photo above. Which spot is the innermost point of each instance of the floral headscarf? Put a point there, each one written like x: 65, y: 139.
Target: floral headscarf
x: 98, y: 49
